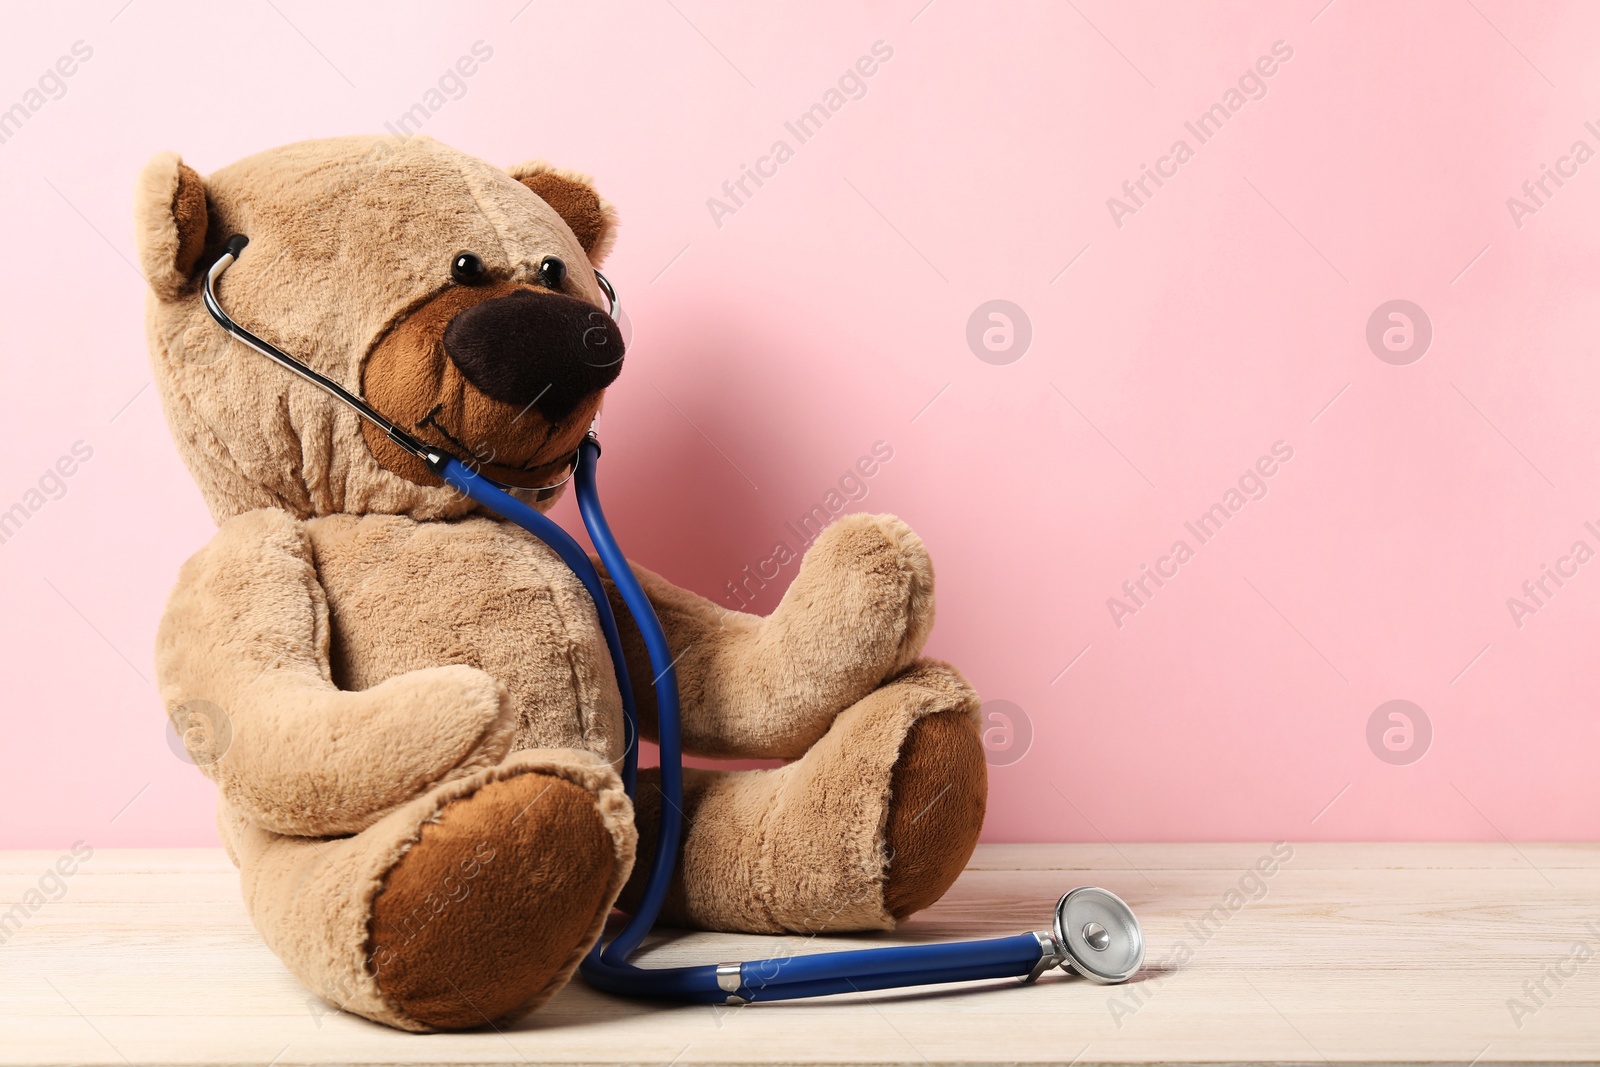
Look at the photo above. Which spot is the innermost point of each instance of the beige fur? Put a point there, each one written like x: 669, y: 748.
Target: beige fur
x: 382, y: 652
x: 311, y: 899
x: 788, y: 850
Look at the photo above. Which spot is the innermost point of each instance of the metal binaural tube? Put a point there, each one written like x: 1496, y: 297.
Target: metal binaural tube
x: 235, y: 246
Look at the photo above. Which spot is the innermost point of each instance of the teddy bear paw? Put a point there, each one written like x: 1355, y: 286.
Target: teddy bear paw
x: 868, y: 577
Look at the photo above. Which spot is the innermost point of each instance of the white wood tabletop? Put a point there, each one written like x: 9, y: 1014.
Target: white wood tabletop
x: 1436, y: 953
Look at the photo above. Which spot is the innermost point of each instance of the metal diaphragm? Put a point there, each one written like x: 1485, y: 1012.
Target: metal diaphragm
x: 1101, y: 937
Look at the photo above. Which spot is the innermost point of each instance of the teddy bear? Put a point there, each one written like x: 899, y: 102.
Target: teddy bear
x: 420, y: 781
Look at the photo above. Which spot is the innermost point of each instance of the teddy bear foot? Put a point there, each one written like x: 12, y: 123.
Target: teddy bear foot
x: 940, y: 784
x: 875, y: 822
x: 494, y: 903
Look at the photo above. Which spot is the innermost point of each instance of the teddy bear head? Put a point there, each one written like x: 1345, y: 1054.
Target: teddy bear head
x: 457, y: 298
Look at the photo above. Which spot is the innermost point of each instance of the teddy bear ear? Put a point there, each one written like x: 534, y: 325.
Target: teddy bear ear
x: 593, y: 221
x: 170, y: 224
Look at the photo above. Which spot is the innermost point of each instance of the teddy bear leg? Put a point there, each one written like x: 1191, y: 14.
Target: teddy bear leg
x: 472, y: 902
x: 873, y: 823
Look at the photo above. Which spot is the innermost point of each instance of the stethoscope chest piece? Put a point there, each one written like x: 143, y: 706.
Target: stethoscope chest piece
x: 1098, y: 936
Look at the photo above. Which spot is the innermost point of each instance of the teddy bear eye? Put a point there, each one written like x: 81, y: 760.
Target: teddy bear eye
x: 468, y: 268
x: 552, y: 272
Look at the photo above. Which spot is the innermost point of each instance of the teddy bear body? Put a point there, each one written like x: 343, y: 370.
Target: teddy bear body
x: 421, y: 786
x: 479, y: 592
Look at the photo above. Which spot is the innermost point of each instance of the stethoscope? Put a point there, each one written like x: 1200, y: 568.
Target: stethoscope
x: 1093, y: 933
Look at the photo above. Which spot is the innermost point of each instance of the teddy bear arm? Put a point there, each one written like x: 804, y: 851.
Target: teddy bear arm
x: 752, y: 687
x: 242, y: 662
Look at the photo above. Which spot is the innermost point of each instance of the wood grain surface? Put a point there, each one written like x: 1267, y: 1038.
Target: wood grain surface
x: 1391, y: 953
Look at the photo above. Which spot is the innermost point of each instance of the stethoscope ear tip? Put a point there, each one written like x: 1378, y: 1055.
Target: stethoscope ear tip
x: 1098, y: 935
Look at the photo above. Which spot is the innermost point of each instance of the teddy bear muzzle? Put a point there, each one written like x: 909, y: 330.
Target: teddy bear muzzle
x: 546, y: 349
x: 502, y: 374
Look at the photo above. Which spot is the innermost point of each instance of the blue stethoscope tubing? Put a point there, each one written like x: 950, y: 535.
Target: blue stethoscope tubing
x: 1088, y: 921
x: 607, y: 966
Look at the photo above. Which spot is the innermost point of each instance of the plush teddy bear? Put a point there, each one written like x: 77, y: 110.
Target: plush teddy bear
x: 420, y: 781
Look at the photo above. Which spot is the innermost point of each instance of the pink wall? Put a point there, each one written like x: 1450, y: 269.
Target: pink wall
x: 1172, y: 346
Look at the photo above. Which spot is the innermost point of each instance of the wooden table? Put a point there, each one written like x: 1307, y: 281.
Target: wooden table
x: 1347, y: 953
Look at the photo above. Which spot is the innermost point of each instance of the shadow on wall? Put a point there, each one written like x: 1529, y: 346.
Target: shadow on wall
x: 687, y: 468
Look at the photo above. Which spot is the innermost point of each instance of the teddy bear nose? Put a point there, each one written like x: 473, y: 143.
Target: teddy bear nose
x: 546, y: 349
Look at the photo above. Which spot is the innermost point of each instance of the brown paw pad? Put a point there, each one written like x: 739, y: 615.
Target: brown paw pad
x: 939, y: 790
x: 486, y: 909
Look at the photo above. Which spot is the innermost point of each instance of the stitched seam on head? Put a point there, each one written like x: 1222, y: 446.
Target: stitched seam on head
x: 497, y: 220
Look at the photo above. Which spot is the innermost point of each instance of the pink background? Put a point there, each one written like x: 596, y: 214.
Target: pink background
x: 830, y: 312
